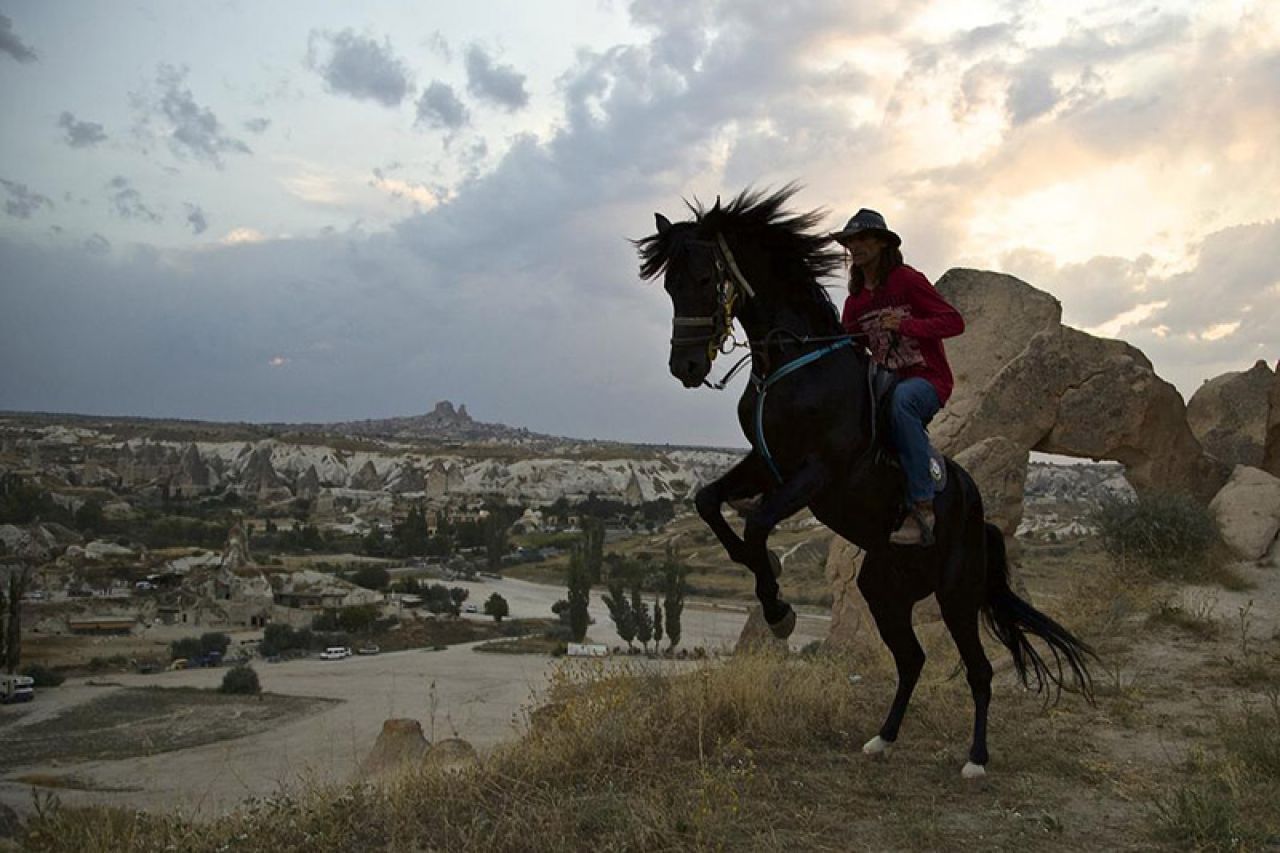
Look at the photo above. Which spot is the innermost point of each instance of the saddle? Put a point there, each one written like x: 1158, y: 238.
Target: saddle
x: 882, y: 381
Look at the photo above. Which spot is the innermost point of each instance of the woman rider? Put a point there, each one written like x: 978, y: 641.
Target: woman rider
x: 900, y: 317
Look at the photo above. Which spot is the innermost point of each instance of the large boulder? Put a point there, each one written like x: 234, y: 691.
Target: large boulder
x: 1248, y: 513
x: 999, y: 466
x: 451, y: 754
x: 1002, y: 314
x: 400, y: 744
x: 1271, y: 453
x: 1228, y: 415
x: 1063, y: 391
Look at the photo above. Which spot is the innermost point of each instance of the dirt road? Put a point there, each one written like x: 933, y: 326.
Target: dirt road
x: 456, y: 691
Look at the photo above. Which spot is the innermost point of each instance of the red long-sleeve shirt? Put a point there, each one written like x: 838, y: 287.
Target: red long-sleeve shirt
x: 916, y: 348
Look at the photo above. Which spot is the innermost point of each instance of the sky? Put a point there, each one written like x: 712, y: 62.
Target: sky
x: 323, y: 211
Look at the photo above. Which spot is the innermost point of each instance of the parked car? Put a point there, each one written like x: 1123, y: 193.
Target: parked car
x: 369, y: 649
x: 335, y: 653
x: 470, y: 608
x: 180, y: 663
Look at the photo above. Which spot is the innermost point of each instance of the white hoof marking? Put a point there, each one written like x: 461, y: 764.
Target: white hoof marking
x: 973, y: 771
x: 877, y: 746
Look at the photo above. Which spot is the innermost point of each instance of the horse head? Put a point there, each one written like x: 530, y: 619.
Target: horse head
x: 695, y: 279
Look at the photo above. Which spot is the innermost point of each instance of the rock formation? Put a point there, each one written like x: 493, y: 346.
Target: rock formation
x: 260, y: 475
x: 367, y: 478
x: 408, y: 478
x: 1248, y: 513
x: 1271, y: 454
x: 756, y: 635
x: 1063, y: 391
x: 1228, y: 415
x: 400, y: 744
x: 308, y: 485
x: 193, y: 476
x: 451, y: 754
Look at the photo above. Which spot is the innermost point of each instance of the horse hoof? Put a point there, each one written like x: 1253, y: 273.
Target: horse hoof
x: 877, y: 747
x: 775, y: 563
x: 784, y: 626
x: 973, y: 771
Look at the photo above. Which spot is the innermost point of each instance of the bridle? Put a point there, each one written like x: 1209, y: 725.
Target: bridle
x: 732, y: 285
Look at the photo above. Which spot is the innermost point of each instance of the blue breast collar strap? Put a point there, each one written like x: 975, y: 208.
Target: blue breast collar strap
x: 764, y: 384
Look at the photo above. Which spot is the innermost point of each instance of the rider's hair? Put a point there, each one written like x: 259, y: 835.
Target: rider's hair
x: 890, y: 259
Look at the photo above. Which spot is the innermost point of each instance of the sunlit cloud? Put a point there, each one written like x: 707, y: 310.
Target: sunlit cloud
x: 396, y: 188
x: 1219, y: 331
x: 243, y: 235
x: 314, y: 187
x: 278, y: 361
x: 1113, y: 327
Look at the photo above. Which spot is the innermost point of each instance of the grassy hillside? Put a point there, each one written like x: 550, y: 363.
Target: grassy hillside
x: 763, y: 752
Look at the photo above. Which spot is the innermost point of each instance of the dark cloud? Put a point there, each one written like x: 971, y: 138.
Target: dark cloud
x: 500, y: 84
x: 96, y: 244
x: 22, y: 202
x: 81, y: 134
x: 196, y: 219
x: 192, y: 130
x: 257, y: 125
x: 127, y: 202
x: 1031, y: 94
x: 359, y: 67
x: 11, y: 44
x: 440, y: 108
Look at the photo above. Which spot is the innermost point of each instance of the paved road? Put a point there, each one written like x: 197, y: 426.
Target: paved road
x: 458, y: 691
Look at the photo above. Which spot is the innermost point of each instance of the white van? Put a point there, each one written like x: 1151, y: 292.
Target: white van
x: 335, y: 653
x: 17, y: 688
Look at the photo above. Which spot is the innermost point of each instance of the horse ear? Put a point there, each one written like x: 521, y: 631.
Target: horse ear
x: 716, y: 209
x: 663, y: 223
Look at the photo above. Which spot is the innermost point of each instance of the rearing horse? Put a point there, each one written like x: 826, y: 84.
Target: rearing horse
x: 809, y: 415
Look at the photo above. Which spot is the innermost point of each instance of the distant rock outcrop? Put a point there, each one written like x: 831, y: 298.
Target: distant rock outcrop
x: 193, y: 476
x: 367, y: 478
x: 260, y: 475
x: 1248, y: 513
x: 1063, y: 391
x: 1271, y: 454
x: 1228, y: 415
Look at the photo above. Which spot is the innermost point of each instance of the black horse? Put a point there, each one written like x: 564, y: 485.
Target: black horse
x: 809, y: 415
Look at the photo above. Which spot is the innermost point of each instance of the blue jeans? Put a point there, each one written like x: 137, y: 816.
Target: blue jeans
x: 915, y: 402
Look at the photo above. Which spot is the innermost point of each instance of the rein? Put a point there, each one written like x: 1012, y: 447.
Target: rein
x: 721, y: 323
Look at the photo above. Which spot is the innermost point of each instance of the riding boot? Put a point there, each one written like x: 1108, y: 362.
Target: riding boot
x: 917, y: 527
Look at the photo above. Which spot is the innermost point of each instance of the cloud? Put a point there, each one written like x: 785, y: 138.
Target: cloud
x: 257, y: 125
x: 192, y: 130
x: 11, y: 44
x: 500, y: 84
x: 440, y: 108
x: 22, y: 202
x: 80, y: 134
x: 1031, y: 94
x: 359, y: 67
x: 196, y: 219
x: 127, y: 202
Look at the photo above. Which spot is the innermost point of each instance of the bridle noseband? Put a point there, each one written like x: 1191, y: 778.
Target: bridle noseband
x: 732, y: 283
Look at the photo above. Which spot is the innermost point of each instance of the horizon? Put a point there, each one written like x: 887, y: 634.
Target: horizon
x: 302, y: 214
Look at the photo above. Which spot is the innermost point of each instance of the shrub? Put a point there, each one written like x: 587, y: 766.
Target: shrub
x: 1171, y: 534
x: 43, y: 676
x: 241, y: 680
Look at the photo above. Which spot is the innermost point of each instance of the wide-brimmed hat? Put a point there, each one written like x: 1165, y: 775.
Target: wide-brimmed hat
x: 865, y: 221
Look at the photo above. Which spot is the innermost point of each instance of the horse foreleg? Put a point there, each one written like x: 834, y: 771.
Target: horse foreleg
x: 746, y: 479
x: 781, y: 503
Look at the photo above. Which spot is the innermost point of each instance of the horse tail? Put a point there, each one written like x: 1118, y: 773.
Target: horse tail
x: 1014, y: 622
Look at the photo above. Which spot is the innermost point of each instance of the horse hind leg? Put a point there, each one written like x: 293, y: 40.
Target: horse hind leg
x: 961, y: 619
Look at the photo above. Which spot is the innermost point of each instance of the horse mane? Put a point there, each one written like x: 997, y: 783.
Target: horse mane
x: 760, y: 217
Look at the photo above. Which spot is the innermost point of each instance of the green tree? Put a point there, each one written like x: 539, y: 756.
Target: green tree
x: 579, y: 583
x: 89, y: 517
x: 657, y: 623
x: 358, y: 619
x: 411, y: 536
x: 644, y: 621
x: 457, y: 595
x: 214, y: 641
x: 497, y: 607
x: 187, y: 647
x: 371, y: 577
x: 620, y: 611
x: 593, y: 547
x: 496, y: 534
x: 673, y: 588
x: 241, y: 679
